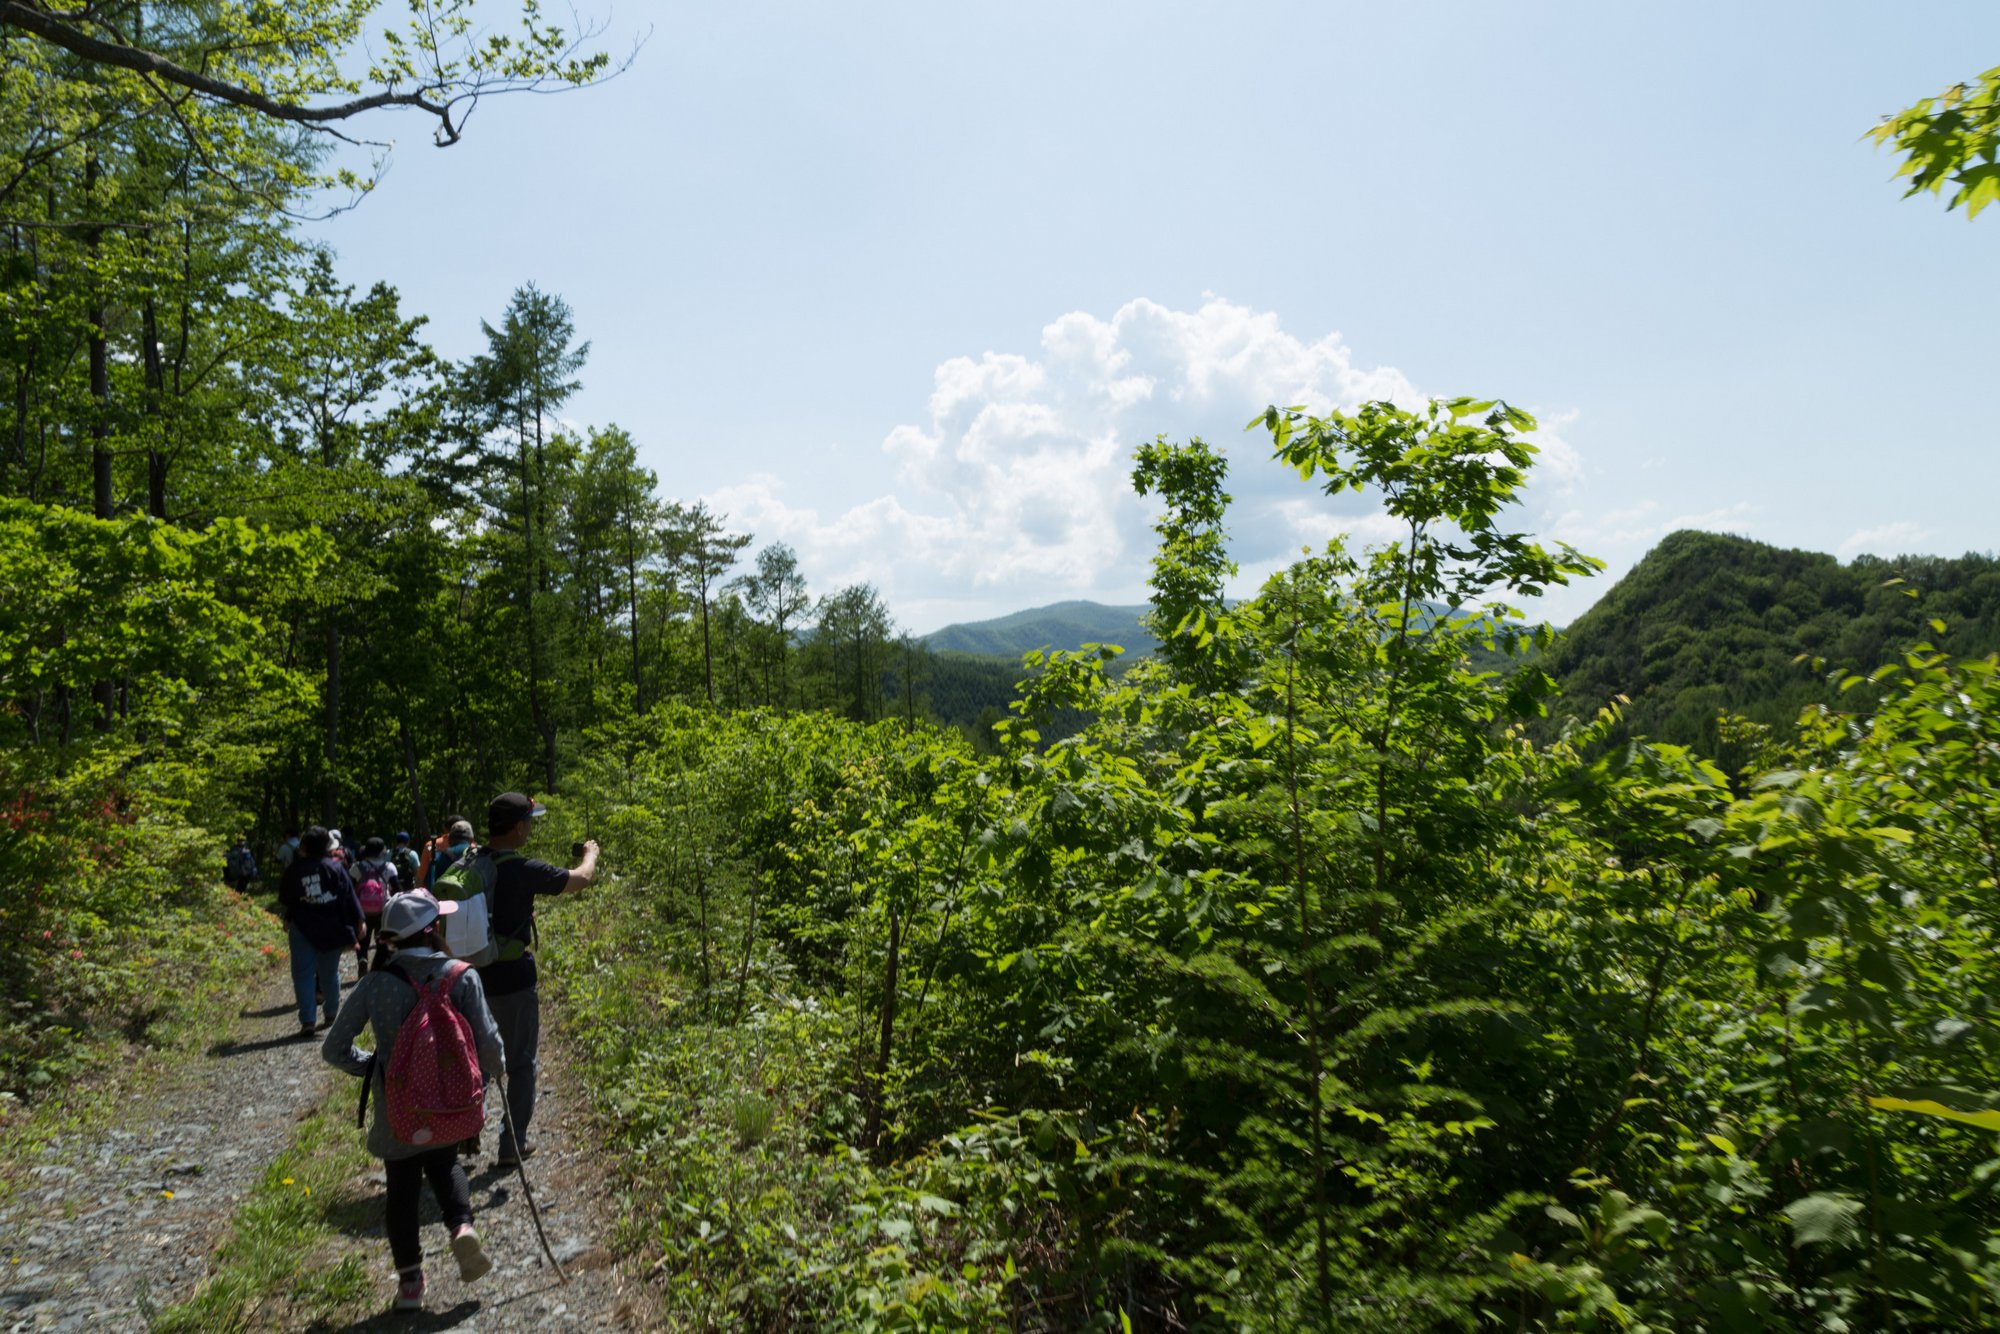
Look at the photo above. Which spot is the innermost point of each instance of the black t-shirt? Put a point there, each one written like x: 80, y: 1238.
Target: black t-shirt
x: 516, y: 882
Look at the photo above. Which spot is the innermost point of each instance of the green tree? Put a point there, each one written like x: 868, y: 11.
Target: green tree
x: 1952, y: 140
x: 704, y: 553
x: 776, y: 591
x: 850, y: 650
x: 514, y: 388
x: 287, y: 64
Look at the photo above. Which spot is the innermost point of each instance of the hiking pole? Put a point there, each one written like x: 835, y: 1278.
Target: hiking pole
x: 527, y: 1192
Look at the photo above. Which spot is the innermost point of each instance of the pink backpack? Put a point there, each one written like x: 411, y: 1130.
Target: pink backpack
x: 372, y: 893
x: 433, y: 1091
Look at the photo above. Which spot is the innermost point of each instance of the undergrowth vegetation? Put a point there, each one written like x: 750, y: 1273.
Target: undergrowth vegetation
x: 115, y: 928
x: 1302, y: 988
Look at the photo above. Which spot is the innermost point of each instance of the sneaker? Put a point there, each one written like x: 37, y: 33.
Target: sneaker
x: 306, y: 1032
x: 514, y: 1157
x: 410, y: 1291
x: 472, y: 1261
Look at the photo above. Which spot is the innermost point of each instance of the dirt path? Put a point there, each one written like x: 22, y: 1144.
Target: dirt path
x: 106, y: 1222
x: 107, y: 1226
x: 523, y: 1293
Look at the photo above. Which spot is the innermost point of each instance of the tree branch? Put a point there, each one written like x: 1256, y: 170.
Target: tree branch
x: 31, y: 19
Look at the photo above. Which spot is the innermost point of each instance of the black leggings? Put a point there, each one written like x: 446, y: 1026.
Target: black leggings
x: 406, y: 1176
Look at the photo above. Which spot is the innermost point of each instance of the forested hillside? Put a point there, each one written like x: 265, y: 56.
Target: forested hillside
x: 266, y: 557
x: 1708, y: 625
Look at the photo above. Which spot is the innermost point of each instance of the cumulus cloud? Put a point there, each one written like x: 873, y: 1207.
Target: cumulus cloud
x: 1644, y: 524
x: 1012, y: 487
x: 1888, y: 539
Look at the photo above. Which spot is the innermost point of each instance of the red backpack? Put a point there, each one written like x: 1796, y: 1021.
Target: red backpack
x: 433, y: 1091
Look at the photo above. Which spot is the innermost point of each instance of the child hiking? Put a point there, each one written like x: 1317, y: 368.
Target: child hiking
x: 375, y: 879
x: 428, y: 1096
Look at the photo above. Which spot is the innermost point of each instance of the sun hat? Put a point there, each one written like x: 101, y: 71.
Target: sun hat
x: 404, y: 915
x: 460, y: 831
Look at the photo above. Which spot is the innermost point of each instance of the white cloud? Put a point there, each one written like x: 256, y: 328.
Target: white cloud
x: 1643, y: 524
x: 1014, y: 489
x: 1888, y: 539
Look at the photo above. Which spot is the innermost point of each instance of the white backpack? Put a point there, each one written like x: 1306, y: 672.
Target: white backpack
x: 468, y: 933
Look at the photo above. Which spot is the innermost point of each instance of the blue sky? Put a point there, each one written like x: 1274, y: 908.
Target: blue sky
x: 904, y: 284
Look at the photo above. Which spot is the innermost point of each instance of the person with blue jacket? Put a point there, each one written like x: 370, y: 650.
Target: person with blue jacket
x: 457, y: 838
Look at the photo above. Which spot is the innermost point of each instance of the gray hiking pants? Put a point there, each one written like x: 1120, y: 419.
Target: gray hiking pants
x: 519, y: 1019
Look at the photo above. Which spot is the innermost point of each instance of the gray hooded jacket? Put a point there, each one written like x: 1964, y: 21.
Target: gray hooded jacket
x: 382, y: 1001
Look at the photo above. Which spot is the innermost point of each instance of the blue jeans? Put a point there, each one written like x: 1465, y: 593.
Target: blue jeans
x: 315, y: 972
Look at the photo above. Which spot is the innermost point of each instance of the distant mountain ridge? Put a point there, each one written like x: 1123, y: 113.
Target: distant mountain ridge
x: 1060, y: 625
x: 1063, y: 625
x: 1706, y: 624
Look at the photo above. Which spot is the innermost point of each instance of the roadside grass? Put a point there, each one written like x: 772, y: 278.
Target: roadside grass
x: 269, y: 1272
x: 197, y: 973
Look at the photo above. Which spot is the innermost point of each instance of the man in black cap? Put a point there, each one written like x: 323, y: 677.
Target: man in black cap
x: 510, y: 983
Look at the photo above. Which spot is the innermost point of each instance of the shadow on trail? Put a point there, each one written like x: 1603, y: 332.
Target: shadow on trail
x: 269, y: 1012
x: 448, y: 1318
x: 393, y: 1319
x: 263, y: 1044
x: 358, y: 1210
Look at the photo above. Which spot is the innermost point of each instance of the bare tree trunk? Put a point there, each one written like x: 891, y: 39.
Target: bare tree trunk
x: 329, y: 779
x: 100, y: 424
x: 707, y: 659
x: 886, y: 1043
x: 632, y: 598
x: 156, y: 456
x: 24, y: 374
x: 102, y: 693
x: 860, y: 676
x: 410, y: 769
x: 537, y: 706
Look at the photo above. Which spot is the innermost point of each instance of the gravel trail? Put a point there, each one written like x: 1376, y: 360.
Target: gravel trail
x: 109, y: 1225
x: 523, y: 1293
x: 106, y: 1222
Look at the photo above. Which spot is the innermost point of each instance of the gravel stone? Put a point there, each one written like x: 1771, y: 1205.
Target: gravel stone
x: 109, y: 1226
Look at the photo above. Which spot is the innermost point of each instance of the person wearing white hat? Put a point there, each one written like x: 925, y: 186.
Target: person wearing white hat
x: 382, y: 1001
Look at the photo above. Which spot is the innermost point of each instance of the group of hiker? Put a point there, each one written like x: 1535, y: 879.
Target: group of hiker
x: 449, y: 994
